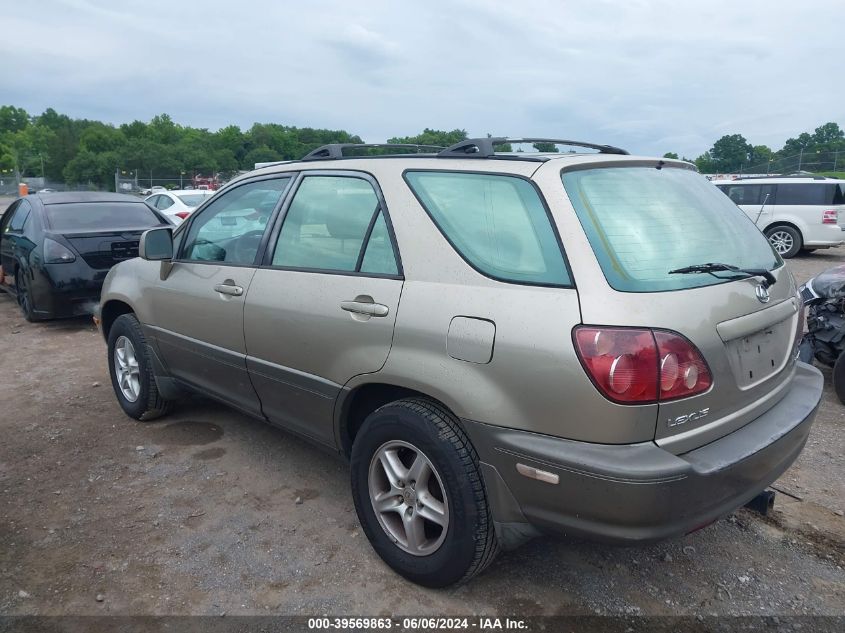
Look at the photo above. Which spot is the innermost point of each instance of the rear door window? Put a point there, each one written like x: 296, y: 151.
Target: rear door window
x: 336, y: 223
x: 497, y: 223
x: 21, y: 215
x: 744, y: 194
x: 643, y: 222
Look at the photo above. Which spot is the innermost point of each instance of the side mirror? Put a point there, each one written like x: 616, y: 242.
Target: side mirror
x: 156, y: 245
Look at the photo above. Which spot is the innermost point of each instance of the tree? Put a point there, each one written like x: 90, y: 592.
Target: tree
x: 546, y: 147
x: 730, y: 152
x: 13, y: 119
x: 670, y: 155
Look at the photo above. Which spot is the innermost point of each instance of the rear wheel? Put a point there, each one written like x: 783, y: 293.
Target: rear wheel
x: 24, y: 296
x: 130, y: 367
x: 419, y: 495
x: 785, y: 240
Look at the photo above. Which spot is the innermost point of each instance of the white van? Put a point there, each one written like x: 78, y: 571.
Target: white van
x: 795, y: 213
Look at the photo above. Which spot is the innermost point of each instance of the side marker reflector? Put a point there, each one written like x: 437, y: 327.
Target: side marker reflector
x: 539, y: 475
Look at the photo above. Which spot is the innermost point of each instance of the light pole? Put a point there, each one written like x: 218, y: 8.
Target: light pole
x: 769, y: 167
x: 181, y: 175
x: 800, y: 157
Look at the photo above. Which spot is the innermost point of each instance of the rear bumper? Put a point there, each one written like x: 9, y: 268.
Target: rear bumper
x: 66, y: 290
x: 640, y: 493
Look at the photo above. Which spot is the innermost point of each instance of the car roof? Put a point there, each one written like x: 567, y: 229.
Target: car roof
x: 66, y: 197
x: 774, y: 180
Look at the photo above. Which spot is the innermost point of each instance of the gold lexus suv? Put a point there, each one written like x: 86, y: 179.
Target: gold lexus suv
x: 502, y: 344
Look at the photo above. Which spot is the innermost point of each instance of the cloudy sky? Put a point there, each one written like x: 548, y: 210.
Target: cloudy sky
x: 649, y: 75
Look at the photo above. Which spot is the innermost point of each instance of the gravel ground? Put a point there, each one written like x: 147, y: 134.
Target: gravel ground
x: 197, y: 514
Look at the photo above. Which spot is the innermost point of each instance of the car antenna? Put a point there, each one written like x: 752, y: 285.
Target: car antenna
x: 760, y: 212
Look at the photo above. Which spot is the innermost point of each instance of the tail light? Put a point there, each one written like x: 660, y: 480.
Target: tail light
x: 182, y: 214
x: 830, y: 216
x: 637, y: 366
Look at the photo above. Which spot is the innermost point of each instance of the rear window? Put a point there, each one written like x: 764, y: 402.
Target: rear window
x: 193, y: 199
x: 497, y: 223
x: 99, y: 216
x: 643, y: 222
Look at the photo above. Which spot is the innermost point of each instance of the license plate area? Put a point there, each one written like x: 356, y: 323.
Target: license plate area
x: 124, y: 250
x: 758, y: 356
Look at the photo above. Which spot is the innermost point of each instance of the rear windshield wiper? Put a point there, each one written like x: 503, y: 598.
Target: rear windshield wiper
x: 710, y: 268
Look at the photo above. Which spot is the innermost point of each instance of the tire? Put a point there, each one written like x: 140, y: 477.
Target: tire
x: 140, y: 381
x: 839, y: 378
x: 447, y: 554
x: 785, y: 240
x: 24, y: 298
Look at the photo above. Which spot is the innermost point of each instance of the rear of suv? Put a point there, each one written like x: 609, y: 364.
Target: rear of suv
x: 502, y: 344
x: 795, y: 213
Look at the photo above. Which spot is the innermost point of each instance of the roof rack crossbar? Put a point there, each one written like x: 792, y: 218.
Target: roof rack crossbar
x: 335, y: 150
x: 485, y: 147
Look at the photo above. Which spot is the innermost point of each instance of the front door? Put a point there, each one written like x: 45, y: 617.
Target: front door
x: 198, y: 308
x: 322, y: 306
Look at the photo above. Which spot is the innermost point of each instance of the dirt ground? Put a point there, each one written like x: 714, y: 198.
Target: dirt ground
x: 197, y: 513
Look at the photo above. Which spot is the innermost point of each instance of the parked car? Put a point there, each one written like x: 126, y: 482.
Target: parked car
x: 501, y: 344
x: 795, y: 213
x: 178, y: 204
x: 56, y: 248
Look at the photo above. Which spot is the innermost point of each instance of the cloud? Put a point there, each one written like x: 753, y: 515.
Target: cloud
x: 653, y: 76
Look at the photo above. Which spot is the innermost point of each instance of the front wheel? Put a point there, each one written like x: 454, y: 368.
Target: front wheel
x: 131, y: 371
x: 419, y: 495
x: 785, y: 240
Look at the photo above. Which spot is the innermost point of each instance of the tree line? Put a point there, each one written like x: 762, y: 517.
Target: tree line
x: 817, y: 151
x: 64, y: 149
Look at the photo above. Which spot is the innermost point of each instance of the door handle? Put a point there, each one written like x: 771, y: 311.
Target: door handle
x: 229, y: 289
x: 369, y: 309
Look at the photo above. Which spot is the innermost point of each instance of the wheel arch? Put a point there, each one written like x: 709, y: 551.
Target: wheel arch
x: 357, y: 403
x: 109, y: 312
x: 792, y: 225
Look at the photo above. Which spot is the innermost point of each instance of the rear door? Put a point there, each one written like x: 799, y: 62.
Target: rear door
x: 14, y: 246
x: 197, y: 310
x: 6, y: 246
x: 322, y: 306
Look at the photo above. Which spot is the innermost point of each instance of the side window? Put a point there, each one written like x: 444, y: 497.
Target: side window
x: 164, y: 202
x: 801, y: 193
x: 327, y: 225
x: 153, y: 201
x: 497, y: 223
x: 230, y: 229
x: 7, y: 216
x: 19, y: 218
x: 744, y: 194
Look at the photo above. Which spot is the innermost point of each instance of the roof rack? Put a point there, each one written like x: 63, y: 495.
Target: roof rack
x: 335, y: 150
x: 484, y: 147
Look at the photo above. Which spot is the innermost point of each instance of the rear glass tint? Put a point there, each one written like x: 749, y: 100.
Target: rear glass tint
x: 193, y: 199
x: 99, y: 216
x: 643, y: 222
x: 497, y: 223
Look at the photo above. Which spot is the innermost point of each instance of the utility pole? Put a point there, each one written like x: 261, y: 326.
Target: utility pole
x: 42, y: 167
x: 835, y: 157
x: 800, y: 157
x: 116, y: 179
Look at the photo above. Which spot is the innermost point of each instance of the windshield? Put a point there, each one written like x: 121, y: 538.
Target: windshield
x: 643, y: 222
x: 99, y: 216
x: 193, y: 199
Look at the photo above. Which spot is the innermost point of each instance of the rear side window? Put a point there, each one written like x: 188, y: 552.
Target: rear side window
x: 497, y: 223
x: 99, y: 216
x: 21, y: 215
x: 643, y: 222
x: 805, y: 193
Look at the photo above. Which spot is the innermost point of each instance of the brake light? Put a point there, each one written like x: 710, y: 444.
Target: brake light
x: 830, y: 216
x: 182, y: 214
x: 637, y: 366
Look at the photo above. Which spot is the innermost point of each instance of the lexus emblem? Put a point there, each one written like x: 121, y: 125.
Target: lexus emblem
x: 762, y: 293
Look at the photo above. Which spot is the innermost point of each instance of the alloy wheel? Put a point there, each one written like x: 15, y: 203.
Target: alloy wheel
x: 781, y: 241
x: 408, y: 498
x: 126, y: 369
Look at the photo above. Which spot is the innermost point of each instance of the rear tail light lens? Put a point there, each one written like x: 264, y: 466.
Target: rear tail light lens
x: 55, y: 253
x: 182, y: 214
x: 830, y: 216
x: 635, y: 366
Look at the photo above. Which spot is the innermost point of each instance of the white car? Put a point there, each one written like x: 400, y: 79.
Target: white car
x: 178, y: 204
x: 795, y: 213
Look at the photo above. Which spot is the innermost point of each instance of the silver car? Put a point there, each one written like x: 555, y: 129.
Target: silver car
x: 501, y: 344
